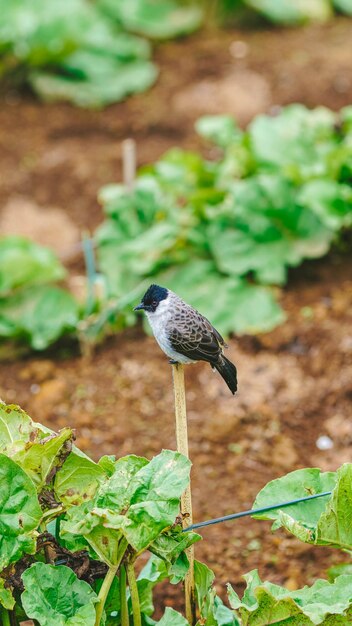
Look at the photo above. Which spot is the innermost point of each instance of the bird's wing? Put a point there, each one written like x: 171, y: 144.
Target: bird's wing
x: 195, y: 338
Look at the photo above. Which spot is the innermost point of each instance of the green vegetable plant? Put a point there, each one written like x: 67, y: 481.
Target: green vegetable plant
x: 275, y: 195
x: 285, y: 12
x: 72, y: 530
x: 80, y: 51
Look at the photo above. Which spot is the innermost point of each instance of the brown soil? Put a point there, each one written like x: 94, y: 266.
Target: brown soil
x: 294, y: 383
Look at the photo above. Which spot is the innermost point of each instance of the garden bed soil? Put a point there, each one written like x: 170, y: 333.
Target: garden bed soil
x: 295, y: 383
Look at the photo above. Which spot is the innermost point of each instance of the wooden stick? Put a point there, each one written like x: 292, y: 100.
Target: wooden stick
x: 186, y: 500
x: 129, y: 163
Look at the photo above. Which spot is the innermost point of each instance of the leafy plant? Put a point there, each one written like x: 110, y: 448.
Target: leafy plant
x: 71, y: 531
x: 80, y: 51
x: 278, y: 193
x: 286, y: 12
x: 31, y: 308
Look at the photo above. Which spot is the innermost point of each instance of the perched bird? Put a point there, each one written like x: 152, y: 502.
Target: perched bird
x: 184, y: 334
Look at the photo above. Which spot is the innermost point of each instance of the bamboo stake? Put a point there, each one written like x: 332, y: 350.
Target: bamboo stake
x: 129, y: 160
x: 186, y: 500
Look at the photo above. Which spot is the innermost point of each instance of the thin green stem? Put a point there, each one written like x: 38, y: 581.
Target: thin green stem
x: 123, y: 598
x: 136, y: 607
x: 107, y: 582
x: 5, y: 617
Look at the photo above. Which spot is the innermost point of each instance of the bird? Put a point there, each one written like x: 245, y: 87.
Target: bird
x: 184, y: 334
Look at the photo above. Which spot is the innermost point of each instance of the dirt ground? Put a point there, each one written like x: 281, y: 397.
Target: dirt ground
x: 295, y: 384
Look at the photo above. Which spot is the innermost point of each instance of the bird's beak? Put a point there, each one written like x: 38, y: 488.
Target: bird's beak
x: 139, y: 307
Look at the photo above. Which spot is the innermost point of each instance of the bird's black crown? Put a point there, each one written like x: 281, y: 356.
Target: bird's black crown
x: 155, y: 293
x: 151, y: 298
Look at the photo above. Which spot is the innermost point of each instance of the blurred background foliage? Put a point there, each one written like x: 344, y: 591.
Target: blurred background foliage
x: 273, y: 195
x: 96, y: 53
x: 222, y: 233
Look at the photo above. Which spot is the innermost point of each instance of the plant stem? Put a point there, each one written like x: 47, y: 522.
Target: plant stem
x: 5, y: 617
x: 107, y: 582
x: 123, y: 598
x: 186, y: 498
x: 136, y: 607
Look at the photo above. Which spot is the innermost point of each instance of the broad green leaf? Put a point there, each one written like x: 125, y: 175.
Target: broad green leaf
x: 20, y: 512
x: 287, y: 12
x: 78, y: 479
x: 220, y: 129
x: 204, y: 578
x: 38, y: 314
x: 334, y: 525
x: 212, y: 610
x: 153, y: 572
x: 114, y: 82
x: 300, y: 519
x: 154, y: 499
x: 25, y: 263
x: 42, y: 460
x: 54, y: 595
x: 172, y: 618
x: 154, y: 19
x: 331, y: 201
x: 115, y: 492
x: 343, y: 5
x: 17, y: 429
x: 149, y: 506
x: 297, y: 141
x: 238, y: 306
x: 338, y: 570
x: 264, y: 603
x: 170, y: 546
x: 6, y: 598
x: 85, y: 528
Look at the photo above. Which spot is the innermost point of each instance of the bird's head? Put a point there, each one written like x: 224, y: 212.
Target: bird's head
x: 152, y: 298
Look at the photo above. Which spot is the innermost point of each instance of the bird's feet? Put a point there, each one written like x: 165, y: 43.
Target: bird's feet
x: 173, y: 362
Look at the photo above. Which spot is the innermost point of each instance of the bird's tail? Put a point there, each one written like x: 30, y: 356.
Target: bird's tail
x: 228, y: 371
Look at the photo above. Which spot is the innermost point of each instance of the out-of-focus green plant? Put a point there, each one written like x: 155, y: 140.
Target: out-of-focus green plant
x: 285, y: 12
x: 110, y: 513
x: 219, y: 232
x: 81, y: 51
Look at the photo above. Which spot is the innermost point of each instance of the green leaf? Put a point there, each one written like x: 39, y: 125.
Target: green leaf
x: 154, y: 19
x: 39, y: 314
x: 300, y: 519
x: 25, y: 263
x: 148, y: 506
x: 238, y: 306
x: 17, y: 429
x: 42, y: 460
x: 78, y: 479
x: 114, y: 493
x: 345, y: 6
x: 213, y: 612
x: 20, y: 513
x: 220, y: 129
x: 331, y: 201
x: 154, y: 499
x: 334, y: 525
x: 170, y: 546
x: 338, y: 570
x: 110, y: 82
x: 287, y: 12
x: 297, y: 141
x: 264, y: 603
x: 172, y: 618
x: 6, y: 598
x: 54, y: 595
